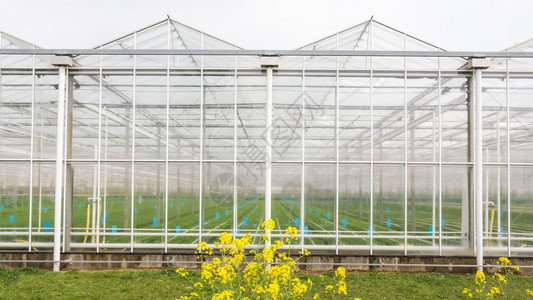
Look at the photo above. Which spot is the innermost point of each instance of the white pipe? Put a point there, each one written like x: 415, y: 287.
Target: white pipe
x: 94, y: 200
x: 478, y: 165
x: 268, y: 157
x: 498, y: 177
x: 59, y: 165
x: 31, y: 153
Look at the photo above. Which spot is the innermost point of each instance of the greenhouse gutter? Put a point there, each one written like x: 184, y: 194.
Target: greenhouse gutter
x: 232, y: 52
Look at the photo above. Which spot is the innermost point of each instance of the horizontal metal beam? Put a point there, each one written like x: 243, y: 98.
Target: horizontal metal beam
x: 233, y: 52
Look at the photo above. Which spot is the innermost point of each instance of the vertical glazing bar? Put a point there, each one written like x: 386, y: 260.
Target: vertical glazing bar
x: 440, y: 156
x: 132, y: 204
x: 65, y: 143
x: 406, y: 150
x: 105, y: 175
x: 478, y: 168
x: 337, y: 99
x: 235, y: 176
x: 486, y: 192
x: 32, y: 134
x: 268, y: 151
x: 99, y: 157
x: 508, y: 104
x: 434, y: 179
x: 498, y: 179
x: 302, y: 179
x: 202, y: 127
x: 371, y: 225
x: 59, y: 165
x: 94, y: 201
x: 167, y: 118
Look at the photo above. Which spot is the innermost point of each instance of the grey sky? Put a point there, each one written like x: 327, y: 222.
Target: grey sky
x: 483, y: 25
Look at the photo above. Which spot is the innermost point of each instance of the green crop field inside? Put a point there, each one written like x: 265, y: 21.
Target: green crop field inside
x: 390, y: 216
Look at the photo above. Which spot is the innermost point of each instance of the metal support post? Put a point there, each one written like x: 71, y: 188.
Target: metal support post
x: 477, y: 64
x: 478, y: 165
x: 268, y: 62
x: 268, y: 150
x: 62, y: 63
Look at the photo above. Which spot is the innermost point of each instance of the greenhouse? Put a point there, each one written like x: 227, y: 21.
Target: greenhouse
x: 369, y: 141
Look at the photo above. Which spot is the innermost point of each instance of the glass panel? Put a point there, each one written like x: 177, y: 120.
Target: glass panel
x: 520, y: 210
x: 320, y: 204
x: 389, y: 205
x: 354, y: 204
x: 319, y: 117
x: 388, y: 107
x: 251, y: 195
x: 455, y: 220
x: 14, y: 201
x: 149, y: 203
x: 354, y: 117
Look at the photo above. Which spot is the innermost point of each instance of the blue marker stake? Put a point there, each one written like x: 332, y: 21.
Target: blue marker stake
x: 238, y: 229
x: 410, y: 213
x: 328, y: 216
x: 245, y: 222
x: 227, y: 212
x: 46, y: 226
x: 178, y: 229
x: 102, y: 220
x: 501, y: 213
x: 310, y: 209
x: 218, y: 216
x: 171, y: 205
x: 2, y: 206
x: 318, y: 213
x: 306, y: 230
x: 501, y: 230
x: 389, y: 223
x: 344, y: 222
x: 182, y: 204
x: 155, y: 207
x: 136, y: 210
x: 388, y: 209
x: 11, y: 219
x: 370, y: 229
x: 114, y: 228
x: 442, y: 223
x: 297, y: 221
x: 154, y: 221
x: 106, y: 214
x: 45, y: 209
x: 430, y: 230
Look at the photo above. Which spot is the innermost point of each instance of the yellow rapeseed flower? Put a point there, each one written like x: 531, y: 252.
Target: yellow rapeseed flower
x: 340, y: 273
x: 341, y: 288
x: 291, y: 231
x: 504, y: 261
x: 480, y: 278
x: 500, y: 277
x: 268, y: 225
x: 225, y: 295
x: 328, y: 289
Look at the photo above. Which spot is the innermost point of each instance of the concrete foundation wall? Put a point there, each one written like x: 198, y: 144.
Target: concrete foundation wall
x: 113, y: 261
